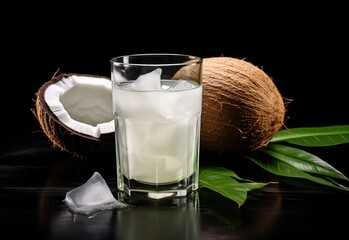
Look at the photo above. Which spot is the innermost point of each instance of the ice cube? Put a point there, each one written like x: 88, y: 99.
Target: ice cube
x: 148, y: 82
x: 180, y: 85
x: 92, y: 196
x: 117, y: 77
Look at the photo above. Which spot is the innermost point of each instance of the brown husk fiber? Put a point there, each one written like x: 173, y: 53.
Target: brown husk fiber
x: 242, y: 107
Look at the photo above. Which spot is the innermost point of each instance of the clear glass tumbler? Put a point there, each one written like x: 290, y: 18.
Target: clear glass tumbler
x: 157, y: 104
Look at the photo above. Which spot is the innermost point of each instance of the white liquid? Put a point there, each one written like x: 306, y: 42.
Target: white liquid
x: 158, y: 132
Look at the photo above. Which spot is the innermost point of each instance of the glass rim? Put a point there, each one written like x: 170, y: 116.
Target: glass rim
x: 120, y: 60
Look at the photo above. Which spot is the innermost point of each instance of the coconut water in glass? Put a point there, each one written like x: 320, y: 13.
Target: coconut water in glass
x: 157, y: 104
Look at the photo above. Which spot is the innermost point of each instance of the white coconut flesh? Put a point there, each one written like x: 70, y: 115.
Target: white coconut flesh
x: 83, y: 104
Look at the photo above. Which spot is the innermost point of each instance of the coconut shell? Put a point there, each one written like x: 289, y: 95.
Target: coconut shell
x: 65, y: 138
x: 242, y: 107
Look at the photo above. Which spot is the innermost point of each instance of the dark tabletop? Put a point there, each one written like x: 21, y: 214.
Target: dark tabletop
x: 34, y: 178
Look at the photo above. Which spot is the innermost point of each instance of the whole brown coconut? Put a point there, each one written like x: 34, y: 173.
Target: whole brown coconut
x: 70, y: 138
x: 242, y: 108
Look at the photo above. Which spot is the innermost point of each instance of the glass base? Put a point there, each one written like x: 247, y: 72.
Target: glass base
x: 133, y: 190
x: 137, y: 198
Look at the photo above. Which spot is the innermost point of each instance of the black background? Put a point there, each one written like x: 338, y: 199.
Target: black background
x: 304, y: 49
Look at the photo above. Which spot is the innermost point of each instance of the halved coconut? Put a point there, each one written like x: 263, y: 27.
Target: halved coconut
x: 75, y: 112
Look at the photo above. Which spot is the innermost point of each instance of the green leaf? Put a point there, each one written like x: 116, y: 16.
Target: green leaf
x: 220, y: 171
x: 314, y: 136
x: 283, y: 163
x: 303, y: 160
x: 225, y: 182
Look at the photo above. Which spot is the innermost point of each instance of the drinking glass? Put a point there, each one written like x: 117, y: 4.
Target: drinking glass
x: 157, y: 104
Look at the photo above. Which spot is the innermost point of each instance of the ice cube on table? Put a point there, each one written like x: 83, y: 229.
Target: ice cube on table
x: 92, y: 196
x: 148, y: 82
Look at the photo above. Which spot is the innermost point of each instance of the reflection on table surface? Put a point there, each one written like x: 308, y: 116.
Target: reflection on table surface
x: 35, y: 178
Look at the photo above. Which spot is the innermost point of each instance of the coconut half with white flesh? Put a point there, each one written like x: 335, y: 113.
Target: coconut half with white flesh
x: 75, y: 113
